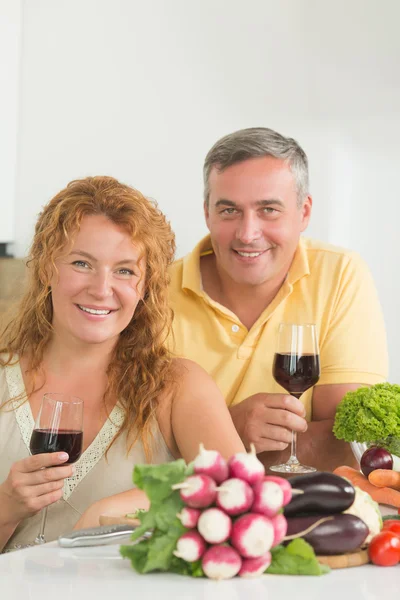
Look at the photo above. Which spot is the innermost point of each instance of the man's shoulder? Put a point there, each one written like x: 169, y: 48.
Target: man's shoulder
x: 176, y: 269
x: 176, y: 279
x: 323, y: 253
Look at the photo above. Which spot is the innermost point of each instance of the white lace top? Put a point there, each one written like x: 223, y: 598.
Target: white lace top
x: 95, y: 475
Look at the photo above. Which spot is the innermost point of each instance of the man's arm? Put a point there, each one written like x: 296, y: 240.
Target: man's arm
x: 318, y: 446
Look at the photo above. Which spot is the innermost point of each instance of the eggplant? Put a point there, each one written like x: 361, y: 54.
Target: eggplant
x: 324, y: 494
x: 342, y: 533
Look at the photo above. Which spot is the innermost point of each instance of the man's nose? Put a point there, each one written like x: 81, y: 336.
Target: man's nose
x: 248, y: 230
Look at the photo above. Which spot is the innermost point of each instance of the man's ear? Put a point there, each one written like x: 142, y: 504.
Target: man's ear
x: 306, y: 210
x: 206, y: 211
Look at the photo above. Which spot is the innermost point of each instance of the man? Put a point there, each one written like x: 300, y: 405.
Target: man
x: 253, y: 272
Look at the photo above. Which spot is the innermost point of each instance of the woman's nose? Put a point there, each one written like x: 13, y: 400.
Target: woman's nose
x: 100, y: 285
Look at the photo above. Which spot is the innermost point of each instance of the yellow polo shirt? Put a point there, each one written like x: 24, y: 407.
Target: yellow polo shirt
x: 329, y: 286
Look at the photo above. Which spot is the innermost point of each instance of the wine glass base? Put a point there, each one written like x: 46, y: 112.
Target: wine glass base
x: 292, y: 468
x: 40, y: 540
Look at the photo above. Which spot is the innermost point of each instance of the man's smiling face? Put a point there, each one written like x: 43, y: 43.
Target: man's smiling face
x: 255, y: 220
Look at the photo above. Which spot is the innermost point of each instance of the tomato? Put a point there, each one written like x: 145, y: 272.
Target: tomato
x: 392, y: 525
x: 384, y: 549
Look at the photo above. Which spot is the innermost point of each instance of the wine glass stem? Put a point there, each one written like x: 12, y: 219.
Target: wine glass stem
x: 293, y: 460
x: 40, y: 537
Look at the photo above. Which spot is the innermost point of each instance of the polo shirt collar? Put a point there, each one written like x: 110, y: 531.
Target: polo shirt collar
x: 191, y: 277
x: 300, y: 265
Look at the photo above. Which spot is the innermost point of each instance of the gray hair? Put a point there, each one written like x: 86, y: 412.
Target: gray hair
x: 256, y: 142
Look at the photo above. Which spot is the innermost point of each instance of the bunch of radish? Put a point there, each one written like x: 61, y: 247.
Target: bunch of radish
x: 232, y: 513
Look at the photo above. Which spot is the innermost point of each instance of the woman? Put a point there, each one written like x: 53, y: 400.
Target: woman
x: 93, y: 324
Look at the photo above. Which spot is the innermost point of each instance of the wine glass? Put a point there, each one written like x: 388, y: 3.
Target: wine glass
x: 58, y: 428
x: 296, y: 368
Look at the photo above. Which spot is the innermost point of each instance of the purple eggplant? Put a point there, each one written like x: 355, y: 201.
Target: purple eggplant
x: 341, y: 533
x: 324, y: 494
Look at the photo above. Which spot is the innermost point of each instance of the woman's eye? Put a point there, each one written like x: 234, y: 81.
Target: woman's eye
x: 126, y: 272
x: 80, y: 263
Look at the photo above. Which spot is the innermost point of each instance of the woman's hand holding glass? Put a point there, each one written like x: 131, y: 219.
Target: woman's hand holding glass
x: 33, y: 484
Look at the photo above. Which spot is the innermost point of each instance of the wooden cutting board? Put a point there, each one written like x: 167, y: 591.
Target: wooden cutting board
x: 342, y: 561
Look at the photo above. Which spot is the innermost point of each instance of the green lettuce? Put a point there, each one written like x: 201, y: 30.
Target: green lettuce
x: 370, y: 415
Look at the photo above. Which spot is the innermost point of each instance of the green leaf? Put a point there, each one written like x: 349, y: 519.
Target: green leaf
x: 157, y: 480
x: 156, y: 553
x: 161, y: 548
x: 297, y: 558
x: 181, y: 567
x: 137, y: 553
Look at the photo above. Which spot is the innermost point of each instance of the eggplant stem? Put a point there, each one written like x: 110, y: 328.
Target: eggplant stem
x: 308, y: 530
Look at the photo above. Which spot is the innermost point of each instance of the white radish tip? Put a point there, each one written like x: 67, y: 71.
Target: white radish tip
x: 253, y: 449
x: 297, y: 492
x: 180, y: 486
x: 201, y: 448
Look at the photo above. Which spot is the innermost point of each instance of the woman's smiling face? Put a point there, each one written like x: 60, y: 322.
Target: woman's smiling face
x: 99, y: 283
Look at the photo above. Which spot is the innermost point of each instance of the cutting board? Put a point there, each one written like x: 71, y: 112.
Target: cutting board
x: 342, y: 561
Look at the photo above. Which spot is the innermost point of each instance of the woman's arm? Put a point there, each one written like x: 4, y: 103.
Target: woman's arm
x: 113, y: 506
x: 196, y: 413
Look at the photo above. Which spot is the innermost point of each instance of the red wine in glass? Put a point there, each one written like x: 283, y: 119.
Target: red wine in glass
x: 61, y: 440
x: 296, y: 368
x: 296, y: 373
x: 58, y: 428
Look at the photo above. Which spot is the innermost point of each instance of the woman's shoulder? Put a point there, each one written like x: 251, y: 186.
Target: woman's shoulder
x: 186, y: 368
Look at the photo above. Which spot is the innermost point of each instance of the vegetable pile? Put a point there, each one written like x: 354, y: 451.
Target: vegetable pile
x: 371, y: 415
x: 216, y: 519
x: 320, y: 514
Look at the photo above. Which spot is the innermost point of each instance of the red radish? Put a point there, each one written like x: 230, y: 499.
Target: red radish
x: 211, y: 463
x: 246, y: 466
x: 197, y: 491
x: 254, y: 567
x: 268, y: 498
x: 190, y: 546
x: 284, y: 485
x: 214, y: 525
x: 189, y: 516
x: 252, y: 535
x: 280, y: 526
x: 221, y: 562
x: 235, y: 496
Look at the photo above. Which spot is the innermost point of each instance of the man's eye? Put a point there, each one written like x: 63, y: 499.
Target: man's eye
x: 269, y: 210
x: 228, y: 211
x: 80, y: 263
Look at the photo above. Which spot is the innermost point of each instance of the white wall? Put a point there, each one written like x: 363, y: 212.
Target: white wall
x: 141, y: 90
x: 10, y: 41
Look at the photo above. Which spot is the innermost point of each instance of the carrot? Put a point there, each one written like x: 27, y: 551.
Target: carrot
x: 385, y: 478
x: 383, y: 495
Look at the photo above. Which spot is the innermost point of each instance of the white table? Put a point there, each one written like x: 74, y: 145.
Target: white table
x: 99, y: 572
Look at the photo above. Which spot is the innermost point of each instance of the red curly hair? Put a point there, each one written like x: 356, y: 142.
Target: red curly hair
x: 141, y: 365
